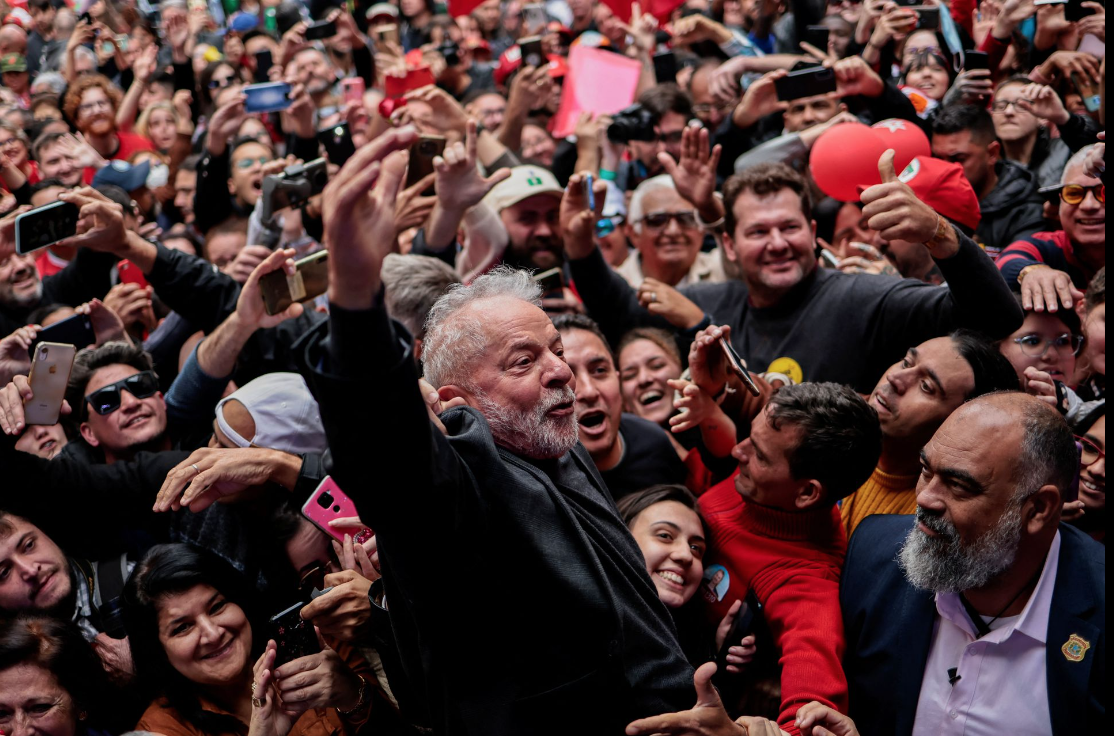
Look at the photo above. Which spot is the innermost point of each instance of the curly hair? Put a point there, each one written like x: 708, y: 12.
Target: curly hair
x: 72, y: 100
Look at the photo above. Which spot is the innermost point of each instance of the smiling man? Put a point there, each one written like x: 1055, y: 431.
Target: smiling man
x: 982, y: 612
x: 913, y: 399
x: 631, y: 453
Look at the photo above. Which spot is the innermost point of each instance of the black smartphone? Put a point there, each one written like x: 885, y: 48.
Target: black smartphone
x: 295, y: 638
x: 310, y: 280
x: 551, y: 281
x: 735, y: 365
x: 742, y: 627
x: 818, y: 37
x: 294, y: 186
x: 809, y: 82
x: 45, y: 225
x: 665, y: 67
x: 976, y: 60
x: 928, y: 17
x: 337, y: 140
x: 532, y: 53
x: 320, y: 29
x: 76, y: 330
x: 1074, y: 11
x: 422, y: 153
x: 263, y: 63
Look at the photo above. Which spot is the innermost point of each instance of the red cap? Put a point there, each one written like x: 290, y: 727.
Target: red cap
x: 558, y: 66
x: 509, y: 60
x: 943, y: 187
x: 556, y: 26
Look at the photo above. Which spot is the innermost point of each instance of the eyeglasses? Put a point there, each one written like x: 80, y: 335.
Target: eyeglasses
x: 1091, y: 452
x: 1036, y: 347
x: 91, y: 106
x: 914, y: 50
x: 607, y: 225
x: 9, y: 142
x: 659, y: 220
x: 667, y: 138
x: 721, y: 107
x: 247, y: 163
x: 1001, y: 105
x: 1076, y: 193
x: 107, y: 399
x: 219, y: 82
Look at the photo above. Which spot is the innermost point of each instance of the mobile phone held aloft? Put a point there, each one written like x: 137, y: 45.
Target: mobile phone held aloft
x: 76, y: 331
x: 328, y: 502
x: 294, y: 186
x: 50, y: 372
x: 928, y: 17
x: 310, y: 280
x: 422, y: 153
x: 809, y: 82
x: 337, y: 140
x: 267, y: 97
x: 320, y: 29
x: 294, y: 637
x: 45, y: 226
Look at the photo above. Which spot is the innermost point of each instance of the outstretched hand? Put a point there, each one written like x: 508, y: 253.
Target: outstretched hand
x: 707, y: 718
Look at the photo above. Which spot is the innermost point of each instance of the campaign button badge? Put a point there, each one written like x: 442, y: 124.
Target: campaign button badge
x: 1075, y: 648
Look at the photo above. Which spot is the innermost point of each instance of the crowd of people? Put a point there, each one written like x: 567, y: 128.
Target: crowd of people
x: 769, y: 389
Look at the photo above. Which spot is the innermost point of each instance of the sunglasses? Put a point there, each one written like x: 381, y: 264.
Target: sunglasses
x: 107, y: 399
x: 658, y: 220
x: 1035, y: 347
x: 220, y: 82
x: 1076, y: 193
x: 1091, y: 452
x: 247, y: 163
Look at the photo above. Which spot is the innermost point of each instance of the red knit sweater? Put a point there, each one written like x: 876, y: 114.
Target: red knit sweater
x: 793, y: 562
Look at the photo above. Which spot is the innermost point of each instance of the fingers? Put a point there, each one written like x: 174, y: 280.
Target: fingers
x: 886, y: 166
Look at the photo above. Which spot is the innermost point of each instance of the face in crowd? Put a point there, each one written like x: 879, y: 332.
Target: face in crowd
x: 96, y: 113
x: 246, y: 180
x: 20, y: 286
x: 34, y: 572
x: 672, y: 541
x: 55, y: 162
x: 599, y: 402
x: 644, y: 368
x: 1084, y: 219
x: 773, y: 243
x: 668, y: 134
x: 533, y: 229
x: 1045, y: 342
x: 666, y: 235
x: 138, y: 421
x: 207, y: 638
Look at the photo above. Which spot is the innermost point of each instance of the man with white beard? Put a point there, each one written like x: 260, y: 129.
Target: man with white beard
x: 517, y: 597
x: 988, y: 616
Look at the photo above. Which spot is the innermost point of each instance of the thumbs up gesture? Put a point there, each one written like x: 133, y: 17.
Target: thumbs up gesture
x: 894, y: 211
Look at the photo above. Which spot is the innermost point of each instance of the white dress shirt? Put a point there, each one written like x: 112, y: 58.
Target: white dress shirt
x: 1002, y: 686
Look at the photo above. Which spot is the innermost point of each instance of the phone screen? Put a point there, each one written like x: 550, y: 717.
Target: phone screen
x: 268, y: 97
x: 76, y: 330
x: 44, y: 226
x: 805, y: 83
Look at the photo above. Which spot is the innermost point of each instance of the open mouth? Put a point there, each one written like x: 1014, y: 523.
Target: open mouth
x: 651, y: 397
x: 592, y: 421
x: 135, y: 421
x: 48, y: 445
x: 880, y: 402
x: 1090, y: 485
x: 1090, y: 221
x: 563, y: 409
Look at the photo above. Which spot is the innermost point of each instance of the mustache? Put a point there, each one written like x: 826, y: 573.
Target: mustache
x: 937, y: 524
x: 554, y: 398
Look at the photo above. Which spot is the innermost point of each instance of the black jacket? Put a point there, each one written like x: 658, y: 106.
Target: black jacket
x: 86, y: 277
x: 515, y: 599
x: 1012, y: 210
x: 846, y: 328
x: 889, y: 626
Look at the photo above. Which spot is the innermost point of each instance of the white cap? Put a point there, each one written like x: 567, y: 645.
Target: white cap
x: 523, y: 183
x: 285, y: 413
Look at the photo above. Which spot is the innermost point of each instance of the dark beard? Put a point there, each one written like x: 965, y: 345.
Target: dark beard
x: 523, y: 256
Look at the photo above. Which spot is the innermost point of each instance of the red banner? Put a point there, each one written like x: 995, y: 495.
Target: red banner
x: 660, y: 9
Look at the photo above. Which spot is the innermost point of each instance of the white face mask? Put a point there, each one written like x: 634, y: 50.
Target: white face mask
x: 158, y: 176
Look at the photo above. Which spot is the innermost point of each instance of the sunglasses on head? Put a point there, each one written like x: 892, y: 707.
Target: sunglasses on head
x: 107, y: 399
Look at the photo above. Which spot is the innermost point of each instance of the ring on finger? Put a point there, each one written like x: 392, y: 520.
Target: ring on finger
x: 194, y: 466
x: 653, y: 296
x: 257, y: 702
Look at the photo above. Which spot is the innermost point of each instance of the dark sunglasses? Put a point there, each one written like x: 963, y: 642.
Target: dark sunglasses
x: 107, y: 399
x: 658, y: 220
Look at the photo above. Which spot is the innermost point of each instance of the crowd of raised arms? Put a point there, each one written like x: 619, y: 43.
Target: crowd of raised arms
x: 566, y: 368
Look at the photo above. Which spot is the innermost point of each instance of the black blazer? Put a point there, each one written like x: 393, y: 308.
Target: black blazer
x: 889, y: 632
x: 501, y: 605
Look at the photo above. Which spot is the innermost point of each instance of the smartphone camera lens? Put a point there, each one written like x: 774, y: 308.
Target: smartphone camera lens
x: 325, y: 500
x: 336, y: 509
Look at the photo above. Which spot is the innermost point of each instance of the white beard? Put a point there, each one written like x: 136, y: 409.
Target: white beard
x: 944, y: 564
x: 531, y: 432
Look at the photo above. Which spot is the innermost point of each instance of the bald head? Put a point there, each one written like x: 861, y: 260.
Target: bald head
x: 12, y: 39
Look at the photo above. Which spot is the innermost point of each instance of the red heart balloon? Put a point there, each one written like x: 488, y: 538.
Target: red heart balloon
x: 844, y: 160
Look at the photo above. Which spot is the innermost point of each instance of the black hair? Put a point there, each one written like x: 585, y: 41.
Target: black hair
x: 841, y: 438
x: 566, y: 322
x: 91, y: 360
x: 992, y: 370
x: 169, y: 569
x: 972, y: 118
x: 667, y: 97
x: 40, y: 313
x: 1067, y: 316
x: 633, y: 504
x: 47, y: 184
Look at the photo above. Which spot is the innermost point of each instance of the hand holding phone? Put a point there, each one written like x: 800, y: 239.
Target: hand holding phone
x: 45, y: 226
x: 327, y: 503
x: 267, y: 97
x: 735, y: 365
x: 50, y: 374
x: 809, y: 82
x: 422, y: 153
x: 76, y: 331
x: 293, y: 637
x: 310, y: 280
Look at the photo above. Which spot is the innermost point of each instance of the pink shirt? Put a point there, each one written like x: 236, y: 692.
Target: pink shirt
x: 1002, y: 686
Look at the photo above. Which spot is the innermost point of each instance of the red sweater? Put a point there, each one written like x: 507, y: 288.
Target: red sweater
x: 793, y: 562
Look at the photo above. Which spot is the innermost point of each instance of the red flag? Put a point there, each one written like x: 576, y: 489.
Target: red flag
x: 660, y: 9
x: 458, y: 8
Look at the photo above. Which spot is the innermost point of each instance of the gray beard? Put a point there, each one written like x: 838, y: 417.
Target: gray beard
x: 531, y: 432
x: 944, y: 564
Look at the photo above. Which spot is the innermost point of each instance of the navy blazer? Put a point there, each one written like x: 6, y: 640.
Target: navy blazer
x: 889, y: 631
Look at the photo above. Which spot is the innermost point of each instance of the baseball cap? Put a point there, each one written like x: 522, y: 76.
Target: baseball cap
x: 240, y: 23
x: 523, y: 183
x: 124, y: 175
x: 13, y: 62
x: 382, y: 11
x: 285, y: 413
x: 943, y: 187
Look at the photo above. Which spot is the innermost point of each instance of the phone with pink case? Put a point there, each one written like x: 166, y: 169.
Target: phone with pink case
x: 328, y: 502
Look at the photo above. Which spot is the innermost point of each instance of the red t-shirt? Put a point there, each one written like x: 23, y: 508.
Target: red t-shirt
x: 130, y: 143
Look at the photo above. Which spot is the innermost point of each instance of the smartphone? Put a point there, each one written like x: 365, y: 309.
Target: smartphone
x: 50, y: 373
x: 320, y: 29
x: 422, y: 153
x: 829, y: 258
x: 818, y: 37
x: 665, y: 67
x: 266, y: 97
x: 809, y: 82
x: 45, y: 226
x: 1090, y: 94
x: 928, y: 17
x: 264, y: 60
x: 551, y: 281
x: 310, y: 280
x: 1050, y: 2
x: 386, y: 33
x: 735, y: 365
x: 1076, y: 12
x: 337, y: 140
x: 130, y: 273
x: 295, y: 638
x: 353, y: 89
x: 976, y: 60
x: 532, y: 53
x: 76, y: 330
x: 534, y: 18
x: 742, y: 627
x: 328, y: 502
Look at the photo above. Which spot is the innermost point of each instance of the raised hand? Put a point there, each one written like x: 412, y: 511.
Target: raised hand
x: 249, y: 305
x: 695, y: 174
x: 246, y: 261
x: 707, y: 364
x: 224, y: 124
x: 100, y: 223
x: 658, y: 297
x: 894, y: 211
x: 578, y: 222
x: 14, y: 358
x: 344, y: 612
x: 817, y: 719
x: 742, y: 652
x: 267, y: 716
x: 107, y: 324
x: 212, y: 473
x: 359, y: 217
x: 1042, y: 101
x: 129, y: 302
x: 460, y: 185
x: 12, y: 398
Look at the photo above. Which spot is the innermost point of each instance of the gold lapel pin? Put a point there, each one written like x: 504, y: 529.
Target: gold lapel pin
x: 1075, y: 648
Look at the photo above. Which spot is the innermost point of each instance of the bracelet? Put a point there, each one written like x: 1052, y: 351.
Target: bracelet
x: 607, y: 174
x: 723, y: 394
x: 716, y: 226
x: 360, y: 702
x: 942, y: 228
x: 1029, y: 269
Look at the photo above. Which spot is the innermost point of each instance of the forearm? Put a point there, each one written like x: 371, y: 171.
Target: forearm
x: 192, y: 287
x: 489, y: 149
x: 125, y: 116
x: 194, y: 393
x: 587, y: 155
x: 981, y: 298
x: 509, y: 132
x: 217, y: 354
x: 443, y: 225
x: 718, y: 433
x: 609, y: 299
